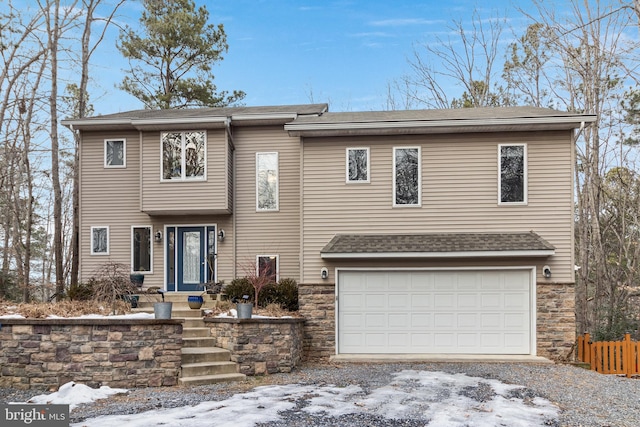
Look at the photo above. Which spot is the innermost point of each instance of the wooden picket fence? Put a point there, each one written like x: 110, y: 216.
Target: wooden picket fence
x: 610, y: 357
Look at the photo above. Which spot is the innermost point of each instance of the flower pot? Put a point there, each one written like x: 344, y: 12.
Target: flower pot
x: 137, y: 279
x: 195, y: 301
x: 162, y: 310
x: 245, y: 310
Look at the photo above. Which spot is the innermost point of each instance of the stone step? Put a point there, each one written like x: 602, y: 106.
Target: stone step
x: 195, y: 332
x: 205, y: 354
x: 198, y: 342
x: 210, y: 379
x: 203, y: 369
x: 193, y: 322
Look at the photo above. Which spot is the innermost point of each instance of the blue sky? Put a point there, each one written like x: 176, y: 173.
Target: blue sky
x: 343, y: 52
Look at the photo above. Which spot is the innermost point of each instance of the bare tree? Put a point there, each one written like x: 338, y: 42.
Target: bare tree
x: 467, y: 62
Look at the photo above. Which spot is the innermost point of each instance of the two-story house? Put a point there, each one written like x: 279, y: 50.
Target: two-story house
x: 409, y: 232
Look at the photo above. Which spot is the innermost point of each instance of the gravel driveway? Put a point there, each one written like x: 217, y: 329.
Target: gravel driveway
x: 585, y: 398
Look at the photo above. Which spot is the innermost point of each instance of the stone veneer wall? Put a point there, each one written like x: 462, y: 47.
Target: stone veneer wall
x: 260, y: 345
x: 555, y: 320
x: 47, y: 353
x: 317, y: 303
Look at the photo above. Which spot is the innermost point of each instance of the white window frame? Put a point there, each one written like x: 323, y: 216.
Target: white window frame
x: 276, y: 256
x: 151, y: 240
x: 419, y: 204
x: 362, y: 181
x: 124, y: 153
x: 183, y: 165
x: 95, y: 227
x: 525, y: 175
x: 277, y: 196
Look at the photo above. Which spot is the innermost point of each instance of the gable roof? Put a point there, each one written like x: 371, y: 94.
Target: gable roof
x: 437, y: 245
x: 196, y: 117
x: 490, y: 119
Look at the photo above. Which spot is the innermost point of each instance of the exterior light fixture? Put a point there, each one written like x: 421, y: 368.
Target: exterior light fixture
x: 324, y: 273
x: 546, y: 271
x: 158, y: 236
x: 221, y: 235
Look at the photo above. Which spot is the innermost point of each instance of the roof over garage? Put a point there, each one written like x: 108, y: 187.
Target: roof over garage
x: 436, y: 245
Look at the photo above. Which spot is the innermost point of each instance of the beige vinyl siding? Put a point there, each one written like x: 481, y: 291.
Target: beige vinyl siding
x: 175, y: 196
x: 459, y: 193
x: 267, y: 233
x: 110, y: 197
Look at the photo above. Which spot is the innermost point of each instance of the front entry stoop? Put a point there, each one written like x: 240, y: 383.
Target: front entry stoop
x: 202, y: 362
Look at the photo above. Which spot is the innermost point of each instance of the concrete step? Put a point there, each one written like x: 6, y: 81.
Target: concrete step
x: 198, y: 342
x: 195, y: 332
x: 193, y: 322
x: 203, y: 369
x: 205, y: 354
x: 210, y: 379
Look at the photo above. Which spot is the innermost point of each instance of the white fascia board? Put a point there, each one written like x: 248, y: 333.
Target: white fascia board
x: 266, y: 116
x: 468, y: 254
x: 94, y: 122
x: 178, y: 121
x: 569, y: 120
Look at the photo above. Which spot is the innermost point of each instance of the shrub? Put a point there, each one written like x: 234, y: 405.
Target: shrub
x: 239, y: 287
x: 110, y: 283
x: 287, y: 294
x: 80, y: 292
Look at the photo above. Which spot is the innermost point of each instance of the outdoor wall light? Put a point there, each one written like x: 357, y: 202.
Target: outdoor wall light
x: 221, y: 235
x: 158, y: 236
x: 546, y: 271
x: 324, y: 273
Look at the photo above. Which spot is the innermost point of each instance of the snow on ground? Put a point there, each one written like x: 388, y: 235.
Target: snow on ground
x: 73, y: 394
x: 437, y: 398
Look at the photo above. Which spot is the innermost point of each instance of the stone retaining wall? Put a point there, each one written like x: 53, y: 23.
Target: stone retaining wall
x: 123, y: 353
x: 556, y: 321
x: 260, y: 345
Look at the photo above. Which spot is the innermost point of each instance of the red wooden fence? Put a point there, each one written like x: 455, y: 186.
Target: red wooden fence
x: 610, y: 357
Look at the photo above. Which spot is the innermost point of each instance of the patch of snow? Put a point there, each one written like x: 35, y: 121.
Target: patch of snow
x: 102, y: 316
x: 12, y: 316
x: 435, y: 397
x: 74, y: 394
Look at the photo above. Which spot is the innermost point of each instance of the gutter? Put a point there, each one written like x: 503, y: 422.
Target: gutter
x: 333, y: 126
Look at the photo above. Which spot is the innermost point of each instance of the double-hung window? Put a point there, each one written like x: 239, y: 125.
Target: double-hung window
x: 183, y: 155
x: 513, y: 174
x: 141, y: 248
x: 358, y: 165
x: 407, y: 186
x: 267, y: 181
x: 115, y: 153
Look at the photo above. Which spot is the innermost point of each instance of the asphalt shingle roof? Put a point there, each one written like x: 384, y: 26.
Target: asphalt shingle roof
x: 435, y: 242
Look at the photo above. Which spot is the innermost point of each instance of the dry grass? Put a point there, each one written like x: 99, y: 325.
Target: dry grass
x: 271, y: 310
x: 61, y: 309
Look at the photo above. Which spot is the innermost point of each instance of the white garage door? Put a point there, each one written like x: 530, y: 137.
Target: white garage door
x: 453, y: 311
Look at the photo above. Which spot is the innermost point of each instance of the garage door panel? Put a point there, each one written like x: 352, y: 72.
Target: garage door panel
x: 469, y: 312
x: 421, y: 301
x: 421, y: 320
x: 444, y: 301
x: 399, y: 320
x: 398, y: 301
x: 375, y: 320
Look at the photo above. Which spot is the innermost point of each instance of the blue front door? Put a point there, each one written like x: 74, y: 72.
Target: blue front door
x: 190, y: 257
